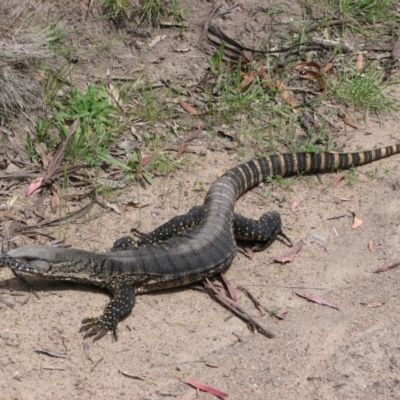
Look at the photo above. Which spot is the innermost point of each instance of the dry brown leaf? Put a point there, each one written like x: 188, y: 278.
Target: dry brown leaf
x: 360, y: 62
x: 10, y: 215
x: 356, y: 223
x: 40, y: 150
x: 291, y: 254
x: 350, y: 122
x: 188, y: 108
x: 375, y: 304
x: 286, y: 95
x: 396, y: 50
x: 181, y: 150
x: 328, y: 67
x: 114, y: 96
x: 384, y: 269
x: 246, y: 80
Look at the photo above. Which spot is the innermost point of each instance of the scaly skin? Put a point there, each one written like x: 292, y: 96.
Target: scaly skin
x: 187, y: 257
x: 262, y: 232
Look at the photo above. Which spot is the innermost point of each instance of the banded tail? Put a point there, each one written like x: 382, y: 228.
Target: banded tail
x: 251, y: 173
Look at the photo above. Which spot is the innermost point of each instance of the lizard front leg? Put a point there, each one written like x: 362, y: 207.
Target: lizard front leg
x: 121, y: 305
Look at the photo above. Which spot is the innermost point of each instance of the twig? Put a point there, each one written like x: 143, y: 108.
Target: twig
x: 236, y: 308
x: 88, y: 9
x: 127, y: 374
x: 258, y: 304
x: 6, y: 302
x: 96, y: 364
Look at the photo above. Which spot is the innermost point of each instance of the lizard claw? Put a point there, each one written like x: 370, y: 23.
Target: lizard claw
x: 97, y: 327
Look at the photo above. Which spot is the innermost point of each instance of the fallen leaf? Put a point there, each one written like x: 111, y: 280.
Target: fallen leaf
x: 10, y: 215
x: 343, y: 199
x: 396, y: 50
x: 312, y: 70
x: 328, y: 67
x: 356, y: 223
x: 188, y: 108
x: 336, y: 180
x: 370, y: 244
x: 114, y: 96
x: 281, y: 313
x: 315, y: 299
x: 113, y: 207
x: 318, y: 236
x: 375, y: 304
x: 350, y: 122
x: 181, y: 150
x: 296, y: 204
x: 246, y: 80
x: 40, y: 150
x: 360, y: 62
x: 156, y: 40
x: 286, y: 95
x: 384, y: 269
x: 291, y: 254
x: 145, y: 160
x: 34, y: 185
x: 231, y: 290
x: 205, y: 388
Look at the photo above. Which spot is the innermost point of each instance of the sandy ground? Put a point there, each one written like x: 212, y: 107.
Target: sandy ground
x: 318, y: 352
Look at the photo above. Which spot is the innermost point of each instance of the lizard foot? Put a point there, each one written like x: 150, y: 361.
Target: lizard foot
x: 97, y: 327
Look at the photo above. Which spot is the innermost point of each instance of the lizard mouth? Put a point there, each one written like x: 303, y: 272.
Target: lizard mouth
x: 34, y: 267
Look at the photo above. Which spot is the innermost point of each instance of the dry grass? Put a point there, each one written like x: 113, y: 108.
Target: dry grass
x: 23, y: 47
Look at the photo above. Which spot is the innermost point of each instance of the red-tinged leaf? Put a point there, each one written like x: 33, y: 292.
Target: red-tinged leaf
x: 350, y: 122
x: 188, y: 108
x: 281, y: 313
x: 145, y: 160
x: 291, y: 254
x: 315, y: 299
x: 356, y: 223
x: 337, y: 180
x: 296, y: 204
x: 181, y: 150
x: 384, y: 269
x: 34, y: 185
x: 360, y: 62
x: 231, y: 290
x: 370, y: 244
x: 205, y: 388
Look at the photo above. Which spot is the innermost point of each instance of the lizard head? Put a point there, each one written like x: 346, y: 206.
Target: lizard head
x: 53, y: 262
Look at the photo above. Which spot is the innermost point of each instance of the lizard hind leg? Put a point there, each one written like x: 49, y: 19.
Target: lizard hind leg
x: 120, y: 305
